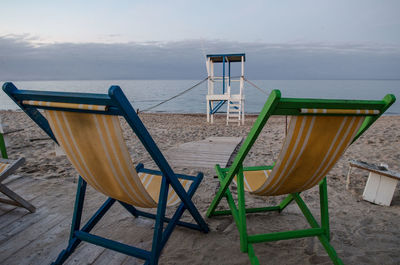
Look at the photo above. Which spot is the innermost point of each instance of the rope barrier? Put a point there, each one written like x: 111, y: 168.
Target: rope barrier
x: 180, y: 94
x: 190, y: 88
x: 251, y: 83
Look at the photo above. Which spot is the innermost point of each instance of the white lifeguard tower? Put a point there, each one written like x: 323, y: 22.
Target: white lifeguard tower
x: 235, y: 102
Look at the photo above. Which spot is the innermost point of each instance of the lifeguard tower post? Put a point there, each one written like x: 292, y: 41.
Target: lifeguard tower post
x: 222, y: 84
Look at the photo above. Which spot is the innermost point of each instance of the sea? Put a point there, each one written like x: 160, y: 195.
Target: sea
x: 145, y: 94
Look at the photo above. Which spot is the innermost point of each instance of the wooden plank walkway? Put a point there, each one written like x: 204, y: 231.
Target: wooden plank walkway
x: 37, y: 238
x: 205, y: 153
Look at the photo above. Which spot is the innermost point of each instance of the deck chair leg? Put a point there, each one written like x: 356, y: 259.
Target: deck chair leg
x: 3, y: 150
x: 323, y: 195
x: 242, y: 212
x: 130, y: 209
x: 221, y: 193
x: 19, y: 201
x: 285, y: 202
x: 77, y: 234
x: 76, y: 222
x: 322, y: 237
x: 159, y: 225
x: 80, y: 198
x: 179, y: 212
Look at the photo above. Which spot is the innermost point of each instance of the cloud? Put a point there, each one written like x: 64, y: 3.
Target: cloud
x: 23, y: 57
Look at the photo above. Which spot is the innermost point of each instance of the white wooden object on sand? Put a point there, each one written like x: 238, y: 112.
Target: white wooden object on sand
x: 214, y: 100
x: 203, y: 154
x: 380, y: 185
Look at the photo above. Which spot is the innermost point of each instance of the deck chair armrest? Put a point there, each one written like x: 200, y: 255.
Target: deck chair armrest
x: 14, y: 164
x: 141, y: 168
x: 256, y: 168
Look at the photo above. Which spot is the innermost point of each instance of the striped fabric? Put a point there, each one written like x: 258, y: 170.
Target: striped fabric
x: 95, y: 146
x: 312, y: 147
x: 152, y: 184
x: 3, y: 167
x: 64, y: 105
x: 254, y: 179
x: 340, y: 111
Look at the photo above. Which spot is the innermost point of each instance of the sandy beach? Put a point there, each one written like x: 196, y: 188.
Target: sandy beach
x: 362, y: 233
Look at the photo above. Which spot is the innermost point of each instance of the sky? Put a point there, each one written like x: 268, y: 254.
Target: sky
x: 287, y: 39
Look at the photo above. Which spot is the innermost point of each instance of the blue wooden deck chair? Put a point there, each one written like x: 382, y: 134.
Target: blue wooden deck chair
x: 319, y: 132
x: 87, y: 127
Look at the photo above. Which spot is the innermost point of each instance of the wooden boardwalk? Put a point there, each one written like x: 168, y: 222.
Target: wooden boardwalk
x: 205, y: 153
x: 37, y: 238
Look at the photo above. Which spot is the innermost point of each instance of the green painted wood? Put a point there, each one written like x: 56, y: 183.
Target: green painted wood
x: 249, y: 210
x: 3, y: 149
x: 285, y: 202
x: 388, y: 101
x: 265, y: 113
x: 276, y: 105
x: 296, y: 103
x: 228, y: 195
x: 242, y: 211
x: 330, y: 250
x: 304, y: 209
x: 225, y: 170
x: 324, y: 211
x: 252, y: 256
x: 323, y: 197
x: 285, y: 235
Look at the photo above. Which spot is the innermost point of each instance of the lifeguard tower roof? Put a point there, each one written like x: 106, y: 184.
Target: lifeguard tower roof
x: 232, y: 57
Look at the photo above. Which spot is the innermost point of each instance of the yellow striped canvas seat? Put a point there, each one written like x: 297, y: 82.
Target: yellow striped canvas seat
x: 313, y: 145
x: 95, y: 146
x: 152, y: 184
x: 319, y: 132
x: 87, y: 127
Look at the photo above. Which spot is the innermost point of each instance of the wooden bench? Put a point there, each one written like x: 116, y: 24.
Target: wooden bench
x: 381, y: 182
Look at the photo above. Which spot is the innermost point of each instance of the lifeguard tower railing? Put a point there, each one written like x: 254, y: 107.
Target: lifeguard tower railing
x: 218, y: 96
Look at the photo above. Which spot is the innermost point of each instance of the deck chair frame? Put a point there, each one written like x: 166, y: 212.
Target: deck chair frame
x: 275, y: 105
x: 118, y: 104
x: 14, y: 198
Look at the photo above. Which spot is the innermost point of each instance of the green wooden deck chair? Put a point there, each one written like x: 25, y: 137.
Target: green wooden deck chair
x: 7, y: 167
x: 319, y: 132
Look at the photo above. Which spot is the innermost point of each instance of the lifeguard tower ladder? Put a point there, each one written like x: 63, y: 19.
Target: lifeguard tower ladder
x: 235, y: 102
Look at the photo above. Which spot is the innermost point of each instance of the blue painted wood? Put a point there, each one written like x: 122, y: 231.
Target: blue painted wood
x: 157, y: 172
x: 130, y: 208
x: 217, y: 107
x: 136, y: 124
x: 178, y: 214
x: 98, y: 215
x: 229, y: 73
x: 159, y: 225
x: 114, y: 245
x: 223, y: 74
x: 33, y: 113
x: 234, y: 57
x: 77, y: 216
x: 117, y: 104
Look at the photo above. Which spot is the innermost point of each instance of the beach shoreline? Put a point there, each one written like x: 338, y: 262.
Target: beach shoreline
x: 362, y: 233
